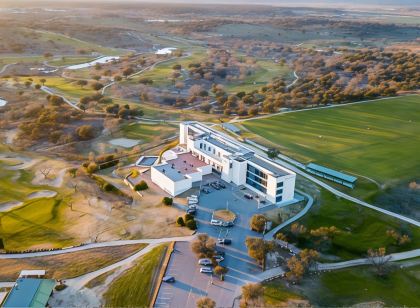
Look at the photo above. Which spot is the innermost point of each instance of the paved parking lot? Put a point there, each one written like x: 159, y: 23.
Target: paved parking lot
x: 190, y: 284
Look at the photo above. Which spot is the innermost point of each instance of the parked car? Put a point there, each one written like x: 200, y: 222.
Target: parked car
x: 227, y: 224
x: 206, y: 269
x: 221, y: 184
x: 224, y: 241
x: 168, y: 279
x: 216, y: 222
x: 205, y: 261
x: 218, y: 258
x: 191, y: 211
x: 249, y: 196
x: 192, y: 206
x: 215, y: 186
x: 194, y: 197
x: 206, y: 191
x: 220, y: 253
x: 192, y: 202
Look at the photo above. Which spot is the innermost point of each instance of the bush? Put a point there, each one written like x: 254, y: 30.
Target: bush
x: 60, y: 287
x: 85, y: 132
x: 180, y: 221
x: 141, y: 186
x: 91, y: 168
x: 107, y: 187
x: 188, y: 217
x: 191, y: 224
x: 167, y: 201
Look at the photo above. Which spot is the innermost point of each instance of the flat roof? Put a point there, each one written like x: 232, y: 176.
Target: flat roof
x: 167, y: 170
x: 32, y: 273
x: 177, y: 168
x: 30, y: 292
x: 267, y: 165
x: 331, y: 172
x: 231, y: 127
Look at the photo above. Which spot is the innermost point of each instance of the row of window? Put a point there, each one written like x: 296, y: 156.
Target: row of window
x: 255, y: 178
x: 256, y: 185
x: 256, y: 171
x: 209, y: 149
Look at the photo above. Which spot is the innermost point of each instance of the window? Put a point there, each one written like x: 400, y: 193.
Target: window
x: 201, y: 145
x: 279, y: 191
x: 279, y: 184
x: 279, y: 199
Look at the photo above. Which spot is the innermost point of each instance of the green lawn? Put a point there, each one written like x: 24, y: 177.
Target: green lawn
x: 36, y: 222
x: 356, y: 285
x: 264, y: 74
x: 148, y: 133
x: 377, y: 139
x: 347, y: 287
x: 361, y: 228
x: 64, y: 61
x: 134, y: 287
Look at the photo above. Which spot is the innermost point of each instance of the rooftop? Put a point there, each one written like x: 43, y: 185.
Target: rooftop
x: 277, y: 171
x: 30, y: 292
x: 331, y: 172
x: 177, y: 168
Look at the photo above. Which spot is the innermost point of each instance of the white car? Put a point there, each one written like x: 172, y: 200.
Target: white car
x: 205, y: 261
x: 219, y: 259
x: 206, y: 269
x: 216, y: 222
x: 192, y: 201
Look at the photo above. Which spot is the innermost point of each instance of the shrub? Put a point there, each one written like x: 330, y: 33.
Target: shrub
x: 107, y: 187
x: 85, y: 132
x: 141, y: 186
x: 91, y: 168
x: 188, y: 217
x: 167, y: 201
x: 60, y: 287
x: 191, y: 224
x: 180, y: 221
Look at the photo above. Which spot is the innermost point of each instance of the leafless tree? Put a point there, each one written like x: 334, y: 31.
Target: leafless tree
x: 379, y: 259
x: 45, y: 172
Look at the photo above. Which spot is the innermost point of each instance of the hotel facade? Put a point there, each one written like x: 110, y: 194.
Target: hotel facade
x: 203, y: 150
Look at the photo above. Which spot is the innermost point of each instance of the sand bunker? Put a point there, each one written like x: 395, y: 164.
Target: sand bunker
x: 42, y: 194
x: 2, y: 102
x: 7, y: 206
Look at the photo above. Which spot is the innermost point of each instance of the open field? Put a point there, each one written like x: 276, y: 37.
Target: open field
x: 147, y: 133
x: 134, y: 287
x: 361, y: 228
x: 65, y: 61
x: 359, y: 139
x: 65, y: 266
x: 349, y: 287
x: 264, y: 74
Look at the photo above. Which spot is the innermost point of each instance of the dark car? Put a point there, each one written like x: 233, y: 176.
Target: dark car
x: 221, y: 184
x: 224, y: 241
x: 168, y: 279
x: 215, y: 186
x: 220, y: 253
x: 206, y: 190
x: 249, y: 196
x: 191, y: 211
x: 227, y: 224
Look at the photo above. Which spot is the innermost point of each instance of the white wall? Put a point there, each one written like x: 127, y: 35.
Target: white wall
x: 171, y: 187
x: 289, y: 187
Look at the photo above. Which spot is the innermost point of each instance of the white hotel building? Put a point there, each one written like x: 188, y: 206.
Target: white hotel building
x: 203, y: 150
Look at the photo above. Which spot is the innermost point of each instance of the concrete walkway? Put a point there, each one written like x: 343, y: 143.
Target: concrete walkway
x: 95, y: 245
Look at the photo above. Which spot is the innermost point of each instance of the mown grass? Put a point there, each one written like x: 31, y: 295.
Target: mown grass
x: 401, y: 287
x: 348, y: 287
x: 36, y: 222
x: 377, y: 139
x: 65, y: 266
x: 148, y: 132
x: 64, y: 61
x: 264, y: 74
x: 361, y: 228
x: 134, y: 287
x: 66, y: 87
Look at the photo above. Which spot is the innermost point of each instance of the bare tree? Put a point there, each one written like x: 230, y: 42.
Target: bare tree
x: 45, y: 172
x: 379, y: 259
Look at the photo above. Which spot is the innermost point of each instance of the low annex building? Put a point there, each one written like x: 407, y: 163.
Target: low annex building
x: 203, y: 150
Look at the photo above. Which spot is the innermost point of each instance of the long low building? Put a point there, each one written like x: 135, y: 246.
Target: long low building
x: 203, y: 150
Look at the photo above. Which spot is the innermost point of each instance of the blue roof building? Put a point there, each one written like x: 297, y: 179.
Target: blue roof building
x: 332, y: 175
x: 30, y: 292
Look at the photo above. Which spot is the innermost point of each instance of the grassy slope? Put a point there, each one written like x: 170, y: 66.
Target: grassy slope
x: 69, y: 265
x: 361, y: 228
x: 134, y: 287
x: 266, y: 72
x: 356, y: 285
x: 351, y: 286
x: 376, y: 139
x: 148, y: 133
x: 70, y: 60
x: 38, y: 221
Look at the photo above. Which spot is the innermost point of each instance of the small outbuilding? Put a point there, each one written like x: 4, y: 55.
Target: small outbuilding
x: 332, y: 175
